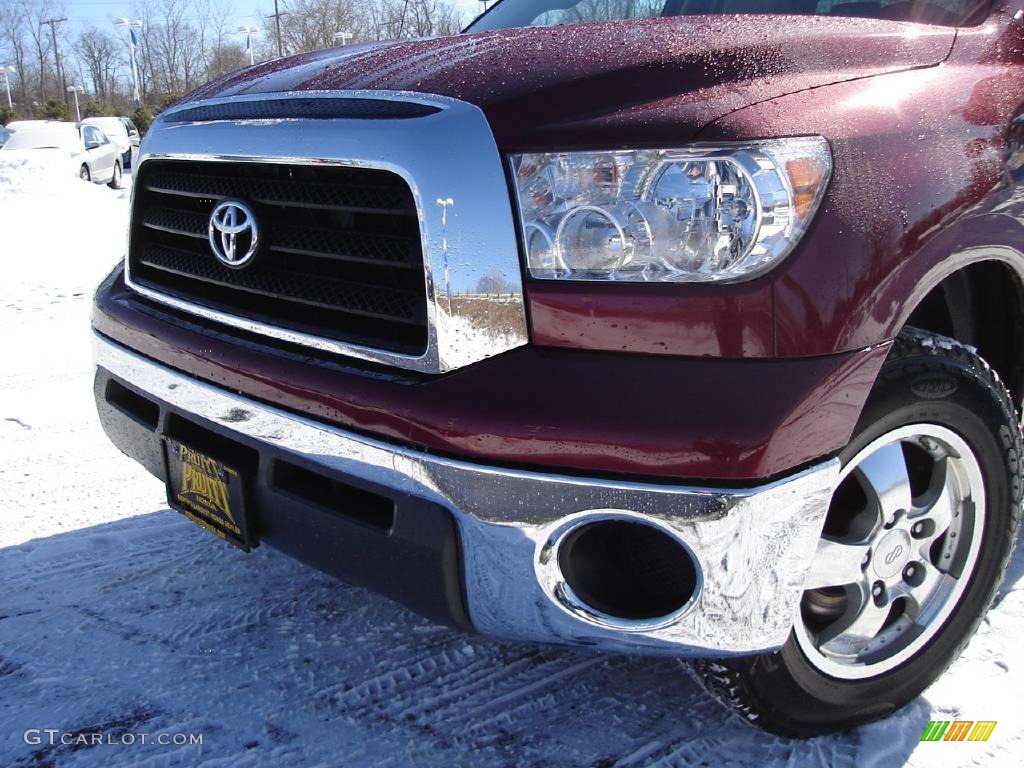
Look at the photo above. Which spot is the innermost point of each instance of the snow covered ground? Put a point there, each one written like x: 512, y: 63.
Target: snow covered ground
x: 118, y: 615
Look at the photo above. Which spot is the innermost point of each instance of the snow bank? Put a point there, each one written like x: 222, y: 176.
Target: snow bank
x: 35, y: 171
x: 54, y: 221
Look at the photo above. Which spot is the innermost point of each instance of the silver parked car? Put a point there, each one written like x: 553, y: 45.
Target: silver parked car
x: 119, y: 130
x: 93, y: 157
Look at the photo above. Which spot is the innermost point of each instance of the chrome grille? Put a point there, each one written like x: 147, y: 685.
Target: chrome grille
x: 327, y: 184
x: 341, y: 258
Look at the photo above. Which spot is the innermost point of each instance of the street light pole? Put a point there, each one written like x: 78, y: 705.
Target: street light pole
x: 276, y: 16
x: 249, y: 32
x: 7, y: 83
x: 56, y: 50
x: 76, y: 89
x: 132, y: 25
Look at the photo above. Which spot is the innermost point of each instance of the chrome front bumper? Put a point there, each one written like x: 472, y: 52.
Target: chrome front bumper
x: 752, y: 546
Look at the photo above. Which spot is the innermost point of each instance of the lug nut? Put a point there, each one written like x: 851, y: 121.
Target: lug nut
x: 877, y: 589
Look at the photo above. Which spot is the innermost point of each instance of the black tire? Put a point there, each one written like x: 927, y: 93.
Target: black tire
x: 83, y: 173
x: 784, y: 692
x: 116, y: 179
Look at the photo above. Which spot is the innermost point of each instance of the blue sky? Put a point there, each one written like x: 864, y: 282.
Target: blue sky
x: 101, y: 13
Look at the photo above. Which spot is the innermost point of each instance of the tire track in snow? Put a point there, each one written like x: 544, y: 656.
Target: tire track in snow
x: 510, y: 690
x: 87, y: 560
x: 408, y: 675
x: 229, y: 624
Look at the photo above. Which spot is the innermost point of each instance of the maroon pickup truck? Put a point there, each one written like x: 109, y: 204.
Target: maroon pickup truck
x: 680, y: 327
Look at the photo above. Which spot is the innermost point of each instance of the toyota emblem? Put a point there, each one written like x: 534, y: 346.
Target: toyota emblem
x: 234, y: 233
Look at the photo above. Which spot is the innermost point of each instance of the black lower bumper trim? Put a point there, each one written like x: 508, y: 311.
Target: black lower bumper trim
x: 402, y: 547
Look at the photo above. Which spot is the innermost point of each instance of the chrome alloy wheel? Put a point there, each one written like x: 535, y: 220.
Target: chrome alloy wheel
x: 900, y: 544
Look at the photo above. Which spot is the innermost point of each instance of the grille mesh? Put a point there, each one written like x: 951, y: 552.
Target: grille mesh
x: 341, y: 254
x: 355, y: 197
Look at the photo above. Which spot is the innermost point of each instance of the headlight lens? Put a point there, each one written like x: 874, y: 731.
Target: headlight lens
x: 721, y: 213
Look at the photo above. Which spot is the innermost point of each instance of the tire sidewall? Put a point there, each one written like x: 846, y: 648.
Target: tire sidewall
x: 981, y: 416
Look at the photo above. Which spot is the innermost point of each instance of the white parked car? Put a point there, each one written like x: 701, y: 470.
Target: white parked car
x: 119, y: 133
x: 93, y: 156
x: 133, y: 136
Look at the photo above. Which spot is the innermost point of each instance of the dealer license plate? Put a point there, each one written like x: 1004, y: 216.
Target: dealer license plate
x: 206, y: 491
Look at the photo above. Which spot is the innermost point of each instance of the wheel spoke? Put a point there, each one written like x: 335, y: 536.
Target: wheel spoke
x: 855, y: 629
x: 836, y: 564
x: 884, y: 476
x: 925, y: 587
x: 939, y: 513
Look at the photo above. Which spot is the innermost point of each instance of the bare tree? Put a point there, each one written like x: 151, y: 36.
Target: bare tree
x: 99, y: 55
x: 91, y: 58
x: 216, y: 25
x: 226, y: 58
x: 41, y: 42
x: 183, y: 43
x: 176, y: 48
x: 143, y: 51
x: 312, y: 24
x: 428, y: 18
x: 14, y: 50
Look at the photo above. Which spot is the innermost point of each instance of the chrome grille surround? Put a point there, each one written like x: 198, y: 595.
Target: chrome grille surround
x: 475, y: 306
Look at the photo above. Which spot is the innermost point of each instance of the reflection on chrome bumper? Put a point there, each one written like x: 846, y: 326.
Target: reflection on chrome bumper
x: 751, y: 547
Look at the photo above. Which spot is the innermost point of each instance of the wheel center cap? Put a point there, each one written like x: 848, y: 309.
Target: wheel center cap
x: 891, y: 554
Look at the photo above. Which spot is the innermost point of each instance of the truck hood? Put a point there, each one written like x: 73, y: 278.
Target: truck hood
x: 651, y: 80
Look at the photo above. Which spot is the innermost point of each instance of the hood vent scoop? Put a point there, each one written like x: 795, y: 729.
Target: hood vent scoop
x: 308, y: 109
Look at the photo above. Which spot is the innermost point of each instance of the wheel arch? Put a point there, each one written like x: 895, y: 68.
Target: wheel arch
x: 978, y: 300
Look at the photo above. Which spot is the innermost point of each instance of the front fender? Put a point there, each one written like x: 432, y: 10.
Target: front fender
x: 923, y: 186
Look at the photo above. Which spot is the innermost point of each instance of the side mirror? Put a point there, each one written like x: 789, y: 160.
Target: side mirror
x: 92, y: 145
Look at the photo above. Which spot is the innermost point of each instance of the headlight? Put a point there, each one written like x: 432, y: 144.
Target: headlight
x: 721, y: 213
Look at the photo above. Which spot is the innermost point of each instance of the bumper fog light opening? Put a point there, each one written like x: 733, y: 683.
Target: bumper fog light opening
x: 619, y: 570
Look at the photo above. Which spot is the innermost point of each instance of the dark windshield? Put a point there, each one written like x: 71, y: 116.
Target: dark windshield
x: 548, y: 13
